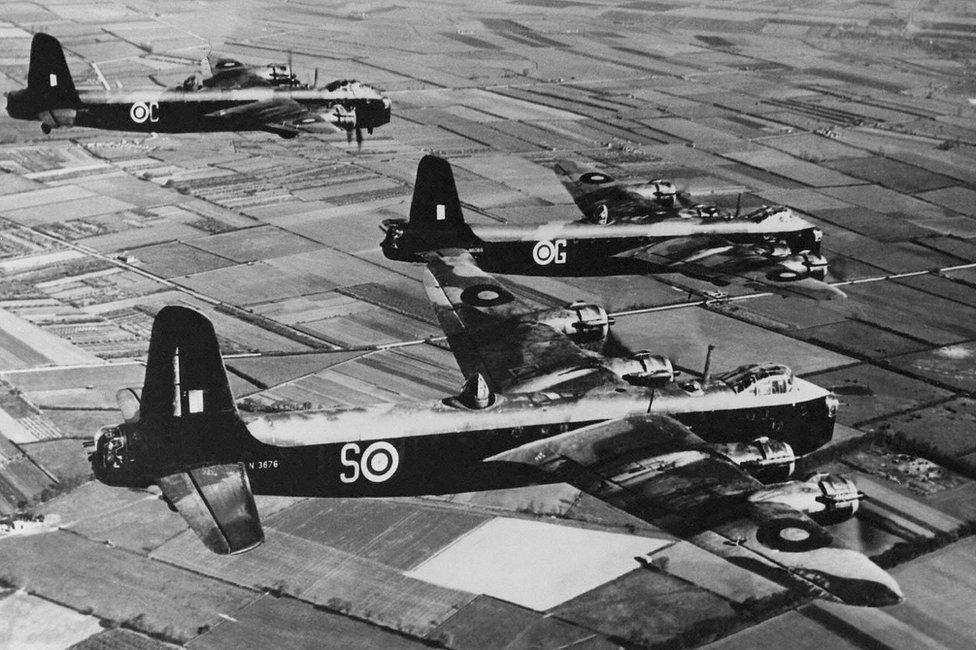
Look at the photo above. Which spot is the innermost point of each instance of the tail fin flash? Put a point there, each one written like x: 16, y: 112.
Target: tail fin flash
x: 185, y: 373
x: 435, y: 196
x: 48, y: 75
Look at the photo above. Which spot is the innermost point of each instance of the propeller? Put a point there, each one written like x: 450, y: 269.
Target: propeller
x: 684, y: 197
x: 359, y: 138
x: 128, y: 402
x: 315, y: 78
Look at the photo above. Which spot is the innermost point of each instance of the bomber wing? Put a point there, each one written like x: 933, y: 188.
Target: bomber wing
x: 721, y: 261
x: 492, y: 333
x: 280, y: 115
x: 603, y: 199
x: 655, y: 468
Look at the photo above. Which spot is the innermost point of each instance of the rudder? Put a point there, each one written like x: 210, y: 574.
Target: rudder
x: 185, y: 373
x: 48, y: 76
x: 435, y: 196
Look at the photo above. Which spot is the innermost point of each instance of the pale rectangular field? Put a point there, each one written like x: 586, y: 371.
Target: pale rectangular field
x: 523, y: 561
x: 31, y: 622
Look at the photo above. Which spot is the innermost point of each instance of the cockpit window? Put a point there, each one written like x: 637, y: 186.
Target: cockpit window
x: 765, y: 379
x: 339, y: 83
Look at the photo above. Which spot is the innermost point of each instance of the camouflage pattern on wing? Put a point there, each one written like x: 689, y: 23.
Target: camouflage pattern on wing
x: 274, y: 114
x: 655, y: 468
x: 591, y: 190
x: 722, y: 262
x: 491, y: 332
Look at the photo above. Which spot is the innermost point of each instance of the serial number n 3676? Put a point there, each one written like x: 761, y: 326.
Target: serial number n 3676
x: 263, y: 464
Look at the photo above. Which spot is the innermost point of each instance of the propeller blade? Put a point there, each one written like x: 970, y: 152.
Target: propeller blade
x: 315, y: 79
x: 128, y: 402
x: 738, y: 205
x: 684, y: 198
x: 359, y: 138
x: 349, y: 136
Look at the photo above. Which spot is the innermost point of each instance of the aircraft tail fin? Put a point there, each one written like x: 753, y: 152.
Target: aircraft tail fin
x: 185, y: 373
x: 48, y: 75
x: 435, y: 196
x: 186, y: 389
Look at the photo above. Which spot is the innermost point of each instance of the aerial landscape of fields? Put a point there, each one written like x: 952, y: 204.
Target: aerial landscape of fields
x: 857, y: 115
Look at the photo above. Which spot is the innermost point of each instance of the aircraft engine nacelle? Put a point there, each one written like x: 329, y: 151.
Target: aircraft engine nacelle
x: 343, y: 117
x: 600, y: 214
x: 658, y: 190
x: 825, y: 498
x: 773, y: 250
x: 798, y: 267
x: 582, y: 322
x: 57, y: 118
x: 767, y: 459
x: 643, y: 369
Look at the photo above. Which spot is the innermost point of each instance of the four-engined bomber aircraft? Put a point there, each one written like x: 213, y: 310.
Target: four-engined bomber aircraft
x: 233, y: 99
x: 627, y: 228
x: 708, y: 459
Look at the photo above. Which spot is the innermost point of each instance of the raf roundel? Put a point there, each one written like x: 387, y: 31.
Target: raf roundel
x: 379, y: 462
x: 486, y: 295
x: 594, y: 178
x: 139, y: 112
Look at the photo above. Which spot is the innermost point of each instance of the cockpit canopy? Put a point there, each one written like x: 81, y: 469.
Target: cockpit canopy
x: 759, y: 379
x: 332, y: 86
